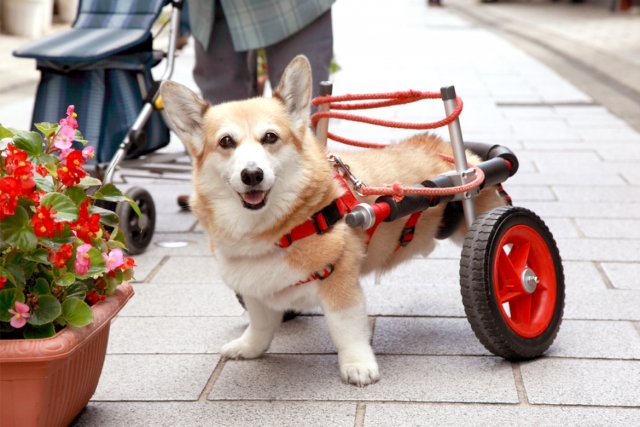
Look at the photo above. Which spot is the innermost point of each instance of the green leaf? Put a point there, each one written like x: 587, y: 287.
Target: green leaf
x: 16, y: 230
x: 8, y: 298
x: 107, y: 217
x: 16, y: 273
x: 46, y: 128
x: 42, y: 331
x: 76, y: 194
x: 30, y: 142
x: 66, y: 209
x: 9, y: 276
x: 41, y: 287
x: 66, y: 279
x: 40, y: 255
x: 77, y: 312
x: 48, y: 308
x: 78, y: 137
x: 44, y: 183
x: 110, y: 193
x: 5, y: 133
x: 89, y: 181
x: 78, y: 290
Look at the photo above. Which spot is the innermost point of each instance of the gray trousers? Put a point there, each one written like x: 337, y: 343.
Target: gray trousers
x: 222, y: 74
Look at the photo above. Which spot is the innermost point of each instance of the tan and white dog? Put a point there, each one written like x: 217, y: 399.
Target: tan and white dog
x: 258, y: 172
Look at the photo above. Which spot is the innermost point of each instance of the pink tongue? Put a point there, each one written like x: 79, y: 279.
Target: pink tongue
x: 253, y: 197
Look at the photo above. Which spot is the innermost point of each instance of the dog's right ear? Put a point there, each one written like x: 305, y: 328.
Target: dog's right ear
x: 185, y: 110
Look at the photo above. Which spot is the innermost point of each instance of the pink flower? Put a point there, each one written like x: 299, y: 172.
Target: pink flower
x: 83, y: 262
x: 67, y: 132
x: 20, y: 315
x: 88, y: 152
x: 114, y: 259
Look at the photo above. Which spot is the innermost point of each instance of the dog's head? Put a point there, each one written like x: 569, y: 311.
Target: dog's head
x: 247, y: 155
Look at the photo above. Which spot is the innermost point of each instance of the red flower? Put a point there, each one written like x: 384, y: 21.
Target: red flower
x: 18, y: 165
x: 42, y: 170
x: 9, y: 193
x: 71, y: 173
x: 86, y: 226
x: 92, y: 297
x: 43, y: 222
x: 3, y: 280
x: 60, y: 258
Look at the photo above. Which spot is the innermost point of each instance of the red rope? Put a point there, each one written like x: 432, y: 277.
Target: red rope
x: 396, y: 190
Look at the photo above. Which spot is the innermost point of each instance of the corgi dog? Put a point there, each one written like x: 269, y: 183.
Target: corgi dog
x: 258, y: 173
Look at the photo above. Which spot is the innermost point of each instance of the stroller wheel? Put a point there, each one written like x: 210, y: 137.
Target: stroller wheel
x: 138, y: 231
x: 512, y: 283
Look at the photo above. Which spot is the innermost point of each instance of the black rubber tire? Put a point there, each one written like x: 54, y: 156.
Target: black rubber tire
x: 478, y: 294
x: 138, y: 231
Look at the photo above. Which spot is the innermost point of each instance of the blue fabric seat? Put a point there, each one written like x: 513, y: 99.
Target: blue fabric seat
x: 102, y: 65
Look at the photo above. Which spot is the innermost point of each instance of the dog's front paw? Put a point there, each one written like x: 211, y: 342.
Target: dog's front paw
x: 360, y: 373
x: 241, y: 349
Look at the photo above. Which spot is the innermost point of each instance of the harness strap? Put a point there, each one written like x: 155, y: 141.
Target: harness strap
x: 409, y: 230
x: 317, y: 275
x: 324, y: 219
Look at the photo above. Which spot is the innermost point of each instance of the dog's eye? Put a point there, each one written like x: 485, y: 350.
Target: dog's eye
x: 227, y: 142
x: 269, y: 138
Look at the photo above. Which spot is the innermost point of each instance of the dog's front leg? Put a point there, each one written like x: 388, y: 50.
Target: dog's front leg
x: 351, y: 334
x: 263, y: 322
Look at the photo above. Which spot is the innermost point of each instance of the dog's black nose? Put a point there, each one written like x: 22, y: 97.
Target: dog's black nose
x: 252, y: 177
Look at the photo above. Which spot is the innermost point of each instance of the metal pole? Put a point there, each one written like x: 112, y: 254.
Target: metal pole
x: 457, y: 143
x: 322, y: 129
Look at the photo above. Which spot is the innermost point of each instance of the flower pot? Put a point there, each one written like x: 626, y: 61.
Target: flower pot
x: 27, y: 18
x: 47, y: 382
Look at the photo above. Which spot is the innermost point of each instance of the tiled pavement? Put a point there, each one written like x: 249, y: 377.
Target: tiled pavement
x: 578, y: 172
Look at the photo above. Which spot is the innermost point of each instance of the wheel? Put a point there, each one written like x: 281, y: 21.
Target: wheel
x: 512, y: 283
x: 138, y: 230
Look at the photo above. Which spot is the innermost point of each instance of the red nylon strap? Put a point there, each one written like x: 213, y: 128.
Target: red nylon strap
x: 318, y: 223
x: 409, y: 230
x: 317, y: 275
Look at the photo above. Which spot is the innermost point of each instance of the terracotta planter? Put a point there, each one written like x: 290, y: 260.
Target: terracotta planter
x: 47, y: 382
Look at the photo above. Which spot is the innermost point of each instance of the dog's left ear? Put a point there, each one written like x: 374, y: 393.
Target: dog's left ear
x: 294, y: 90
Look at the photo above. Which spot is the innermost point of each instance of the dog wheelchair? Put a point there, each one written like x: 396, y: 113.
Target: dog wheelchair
x: 511, y: 274
x: 102, y: 65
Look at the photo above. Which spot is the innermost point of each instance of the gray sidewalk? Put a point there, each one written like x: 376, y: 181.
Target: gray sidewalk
x: 578, y: 171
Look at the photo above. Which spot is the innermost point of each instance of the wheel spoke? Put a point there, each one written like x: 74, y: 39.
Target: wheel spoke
x: 520, y: 254
x: 508, y: 277
x: 521, y: 308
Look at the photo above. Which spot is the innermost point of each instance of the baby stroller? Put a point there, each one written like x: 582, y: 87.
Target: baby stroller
x: 102, y: 65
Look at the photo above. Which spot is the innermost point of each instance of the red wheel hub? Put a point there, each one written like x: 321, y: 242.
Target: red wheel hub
x: 524, y: 281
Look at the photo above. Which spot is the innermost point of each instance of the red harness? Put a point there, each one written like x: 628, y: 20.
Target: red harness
x: 323, y: 220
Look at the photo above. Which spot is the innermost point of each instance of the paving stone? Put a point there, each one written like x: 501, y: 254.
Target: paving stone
x: 428, y: 336
x: 429, y: 414
x: 567, y: 178
x: 304, y: 334
x: 582, y: 276
x: 182, y: 300
x: 597, y: 340
x: 580, y: 209
x: 529, y: 192
x: 145, y: 264
x: 609, y: 228
x: 582, y: 382
x: 176, y: 335
x: 599, y: 249
x: 221, y: 414
x: 196, y: 270
x: 289, y: 377
x: 623, y: 275
x: 605, y: 305
x: 154, y: 377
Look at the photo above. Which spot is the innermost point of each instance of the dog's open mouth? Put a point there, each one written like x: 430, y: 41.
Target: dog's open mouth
x: 254, y: 199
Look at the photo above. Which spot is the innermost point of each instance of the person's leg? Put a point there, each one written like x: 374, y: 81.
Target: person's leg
x: 221, y: 73
x: 315, y: 41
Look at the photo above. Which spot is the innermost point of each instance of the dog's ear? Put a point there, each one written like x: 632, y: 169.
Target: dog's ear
x: 294, y: 90
x: 185, y: 110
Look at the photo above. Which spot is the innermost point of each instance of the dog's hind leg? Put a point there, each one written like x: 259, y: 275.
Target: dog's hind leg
x: 263, y: 323
x: 351, y: 334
